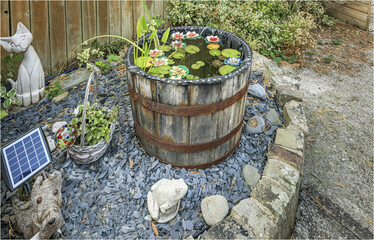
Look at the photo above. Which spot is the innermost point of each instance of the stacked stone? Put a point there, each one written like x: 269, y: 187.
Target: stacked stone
x: 270, y: 211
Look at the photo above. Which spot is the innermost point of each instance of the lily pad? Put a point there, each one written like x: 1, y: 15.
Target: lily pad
x: 225, y: 69
x: 217, y: 63
x: 222, y: 57
x: 178, y: 55
x: 200, y: 63
x: 190, y: 76
x: 165, y: 48
x: 143, y: 62
x: 192, y: 49
x: 161, y: 70
x: 181, y: 50
x: 213, y: 46
x: 171, y: 61
x: 195, y: 66
x: 215, y: 52
x: 229, y: 52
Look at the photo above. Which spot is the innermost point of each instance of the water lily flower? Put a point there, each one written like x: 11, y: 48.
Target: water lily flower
x: 178, y: 72
x: 175, y: 78
x: 212, y: 39
x: 156, y: 53
x: 191, y: 35
x: 233, y: 61
x: 177, y: 35
x: 177, y: 44
x: 160, y: 62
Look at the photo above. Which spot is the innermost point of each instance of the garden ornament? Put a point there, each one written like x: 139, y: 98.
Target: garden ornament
x: 164, y: 199
x: 30, y: 84
x: 40, y: 217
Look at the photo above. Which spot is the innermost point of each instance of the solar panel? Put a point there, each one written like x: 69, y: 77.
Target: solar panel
x: 24, y: 158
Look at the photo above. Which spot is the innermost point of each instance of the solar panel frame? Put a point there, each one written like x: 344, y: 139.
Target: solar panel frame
x: 25, y: 158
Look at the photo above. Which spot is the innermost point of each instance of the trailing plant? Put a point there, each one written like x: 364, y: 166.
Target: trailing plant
x: 55, y: 90
x: 269, y: 27
x: 11, y: 65
x: 10, y: 99
x: 104, y: 65
x: 98, y: 122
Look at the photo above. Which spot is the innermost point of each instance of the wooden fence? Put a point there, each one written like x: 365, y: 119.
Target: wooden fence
x: 357, y: 12
x: 60, y: 25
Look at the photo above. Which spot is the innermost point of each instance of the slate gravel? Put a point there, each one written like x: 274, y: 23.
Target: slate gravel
x: 107, y: 199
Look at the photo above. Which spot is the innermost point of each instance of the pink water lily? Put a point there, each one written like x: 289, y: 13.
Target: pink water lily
x: 160, y: 62
x: 177, y: 44
x: 156, y: 53
x: 191, y: 35
x: 212, y: 39
x: 177, y: 35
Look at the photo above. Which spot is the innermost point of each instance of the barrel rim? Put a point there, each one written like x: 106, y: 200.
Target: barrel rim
x: 246, y: 63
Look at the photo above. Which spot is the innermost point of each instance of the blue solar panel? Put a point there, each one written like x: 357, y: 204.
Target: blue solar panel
x: 24, y: 158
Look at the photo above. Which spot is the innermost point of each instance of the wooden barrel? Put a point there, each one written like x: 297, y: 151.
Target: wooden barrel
x: 190, y: 123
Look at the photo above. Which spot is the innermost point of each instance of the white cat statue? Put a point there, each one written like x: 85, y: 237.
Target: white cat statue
x: 30, y: 84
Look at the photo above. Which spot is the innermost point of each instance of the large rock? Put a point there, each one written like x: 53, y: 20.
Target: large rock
x: 257, y: 90
x: 214, y: 209
x: 290, y: 138
x: 255, y: 125
x: 229, y: 228
x: 251, y: 175
x: 287, y: 93
x: 164, y: 199
x: 272, y: 116
x: 294, y: 115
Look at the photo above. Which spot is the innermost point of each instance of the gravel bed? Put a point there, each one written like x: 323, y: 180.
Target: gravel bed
x: 107, y: 199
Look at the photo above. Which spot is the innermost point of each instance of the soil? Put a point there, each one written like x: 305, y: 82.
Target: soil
x: 336, y: 197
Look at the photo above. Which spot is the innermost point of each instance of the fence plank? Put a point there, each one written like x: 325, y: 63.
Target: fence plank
x: 127, y: 18
x: 39, y: 26
x: 166, y: 4
x: 57, y: 34
x: 102, y: 20
x: 114, y: 18
x: 19, y: 13
x: 73, y: 28
x: 5, y: 13
x: 88, y: 19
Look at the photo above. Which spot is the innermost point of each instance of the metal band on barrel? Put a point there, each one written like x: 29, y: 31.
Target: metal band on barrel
x: 182, y: 147
x: 190, y: 110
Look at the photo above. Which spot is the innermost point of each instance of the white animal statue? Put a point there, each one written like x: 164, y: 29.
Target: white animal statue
x: 30, y: 84
x: 164, y: 199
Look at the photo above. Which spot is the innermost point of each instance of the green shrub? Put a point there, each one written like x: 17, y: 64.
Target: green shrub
x: 267, y: 26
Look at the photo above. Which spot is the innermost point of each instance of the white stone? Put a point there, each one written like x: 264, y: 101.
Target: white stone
x: 30, y: 84
x: 251, y: 175
x: 164, y: 198
x: 257, y: 90
x: 214, y: 209
x: 51, y: 143
x: 57, y: 125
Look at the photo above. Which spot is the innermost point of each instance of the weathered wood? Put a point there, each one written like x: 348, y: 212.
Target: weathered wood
x: 39, y: 26
x: 5, y: 27
x: 88, y: 19
x: 127, y: 18
x: 349, y: 11
x: 19, y: 13
x: 102, y: 20
x: 114, y: 18
x: 362, y: 7
x: 189, y: 129
x: 57, y: 29
x: 346, y: 18
x: 73, y: 27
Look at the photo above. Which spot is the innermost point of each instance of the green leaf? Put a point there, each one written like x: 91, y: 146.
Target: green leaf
x: 3, y: 114
x: 107, y: 138
x: 165, y: 36
x: 16, y: 101
x: 171, y: 61
x: 230, y: 53
x: 195, y: 66
x: 165, y: 48
x: 143, y: 62
x: 144, y: 23
x: 11, y: 93
x: 190, y: 76
x: 178, y: 55
x: 225, y: 69
x: 192, y: 49
x: 7, y: 103
x: 217, y: 63
x: 215, y: 52
x: 201, y: 63
x: 3, y: 90
x: 153, y: 35
x: 57, y: 84
x: 139, y: 31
